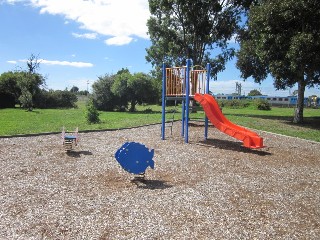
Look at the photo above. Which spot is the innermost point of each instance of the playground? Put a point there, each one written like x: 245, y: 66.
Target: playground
x: 205, y: 189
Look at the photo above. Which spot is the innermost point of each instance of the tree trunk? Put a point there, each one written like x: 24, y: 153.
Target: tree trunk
x: 133, y: 106
x: 298, y: 114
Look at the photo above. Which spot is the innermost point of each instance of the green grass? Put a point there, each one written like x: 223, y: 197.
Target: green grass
x: 18, y: 121
x: 278, y: 120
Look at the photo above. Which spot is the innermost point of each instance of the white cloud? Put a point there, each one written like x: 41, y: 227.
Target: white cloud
x: 120, y: 20
x: 12, y: 62
x: 85, y: 35
x: 108, y: 59
x: 66, y: 63
x: 62, y: 63
x: 12, y: 1
x: 118, y: 41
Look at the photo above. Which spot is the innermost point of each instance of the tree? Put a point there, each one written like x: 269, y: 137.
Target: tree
x: 120, y: 86
x: 9, y: 90
x: 104, y: 99
x: 92, y: 114
x: 312, y: 100
x: 283, y: 40
x: 33, y: 63
x: 136, y: 89
x: 26, y: 99
x: 74, y: 89
x: 141, y: 90
x: 30, y: 82
x: 55, y: 99
x: 181, y: 29
x: 254, y: 92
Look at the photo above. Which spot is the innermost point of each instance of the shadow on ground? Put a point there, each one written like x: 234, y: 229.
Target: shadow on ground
x: 150, y: 184
x: 77, y: 154
x: 233, y: 146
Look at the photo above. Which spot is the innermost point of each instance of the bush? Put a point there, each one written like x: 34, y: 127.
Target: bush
x: 25, y: 99
x: 7, y: 100
x: 92, y: 114
x: 55, y: 99
x: 262, y: 104
x: 148, y: 110
x: 104, y: 99
x: 235, y: 103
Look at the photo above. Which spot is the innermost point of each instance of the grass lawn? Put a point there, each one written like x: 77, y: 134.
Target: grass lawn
x: 278, y: 120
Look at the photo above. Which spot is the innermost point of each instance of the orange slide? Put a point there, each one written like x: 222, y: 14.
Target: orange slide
x: 250, y: 139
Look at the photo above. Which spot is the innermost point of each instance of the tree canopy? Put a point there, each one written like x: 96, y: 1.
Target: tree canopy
x: 103, y: 97
x: 254, y: 92
x: 9, y: 90
x: 136, y: 89
x: 26, y: 87
x: 182, y: 29
x: 283, y: 40
x: 112, y: 92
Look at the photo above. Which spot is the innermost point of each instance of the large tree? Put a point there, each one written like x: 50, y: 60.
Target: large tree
x: 134, y: 88
x: 181, y: 29
x: 283, y: 40
x: 103, y: 97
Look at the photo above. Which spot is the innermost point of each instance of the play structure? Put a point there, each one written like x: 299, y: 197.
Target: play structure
x: 186, y: 83
x: 69, y: 139
x: 135, y: 158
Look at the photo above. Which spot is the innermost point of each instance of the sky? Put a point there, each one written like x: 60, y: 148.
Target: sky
x: 77, y: 41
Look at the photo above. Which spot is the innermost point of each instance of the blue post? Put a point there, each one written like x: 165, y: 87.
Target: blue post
x: 186, y: 137
x: 183, y: 117
x: 206, y: 122
x: 163, y: 101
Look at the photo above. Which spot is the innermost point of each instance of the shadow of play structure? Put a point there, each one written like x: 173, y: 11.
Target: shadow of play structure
x: 186, y: 83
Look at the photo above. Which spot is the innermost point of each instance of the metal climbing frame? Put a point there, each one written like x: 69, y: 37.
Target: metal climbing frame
x: 182, y: 83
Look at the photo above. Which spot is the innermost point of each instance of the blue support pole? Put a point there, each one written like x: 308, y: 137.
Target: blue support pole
x: 206, y: 122
x: 163, y: 101
x: 186, y: 137
x: 183, y: 117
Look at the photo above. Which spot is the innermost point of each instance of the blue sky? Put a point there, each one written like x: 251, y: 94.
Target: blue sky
x: 79, y: 40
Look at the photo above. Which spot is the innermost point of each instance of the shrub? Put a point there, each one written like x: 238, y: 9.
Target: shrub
x: 148, y: 110
x: 55, y: 99
x: 221, y: 103
x: 235, y: 103
x: 7, y: 100
x: 262, y: 104
x: 92, y: 114
x: 104, y: 98
x: 26, y: 99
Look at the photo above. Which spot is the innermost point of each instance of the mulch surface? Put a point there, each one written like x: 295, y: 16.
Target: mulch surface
x: 213, y: 189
